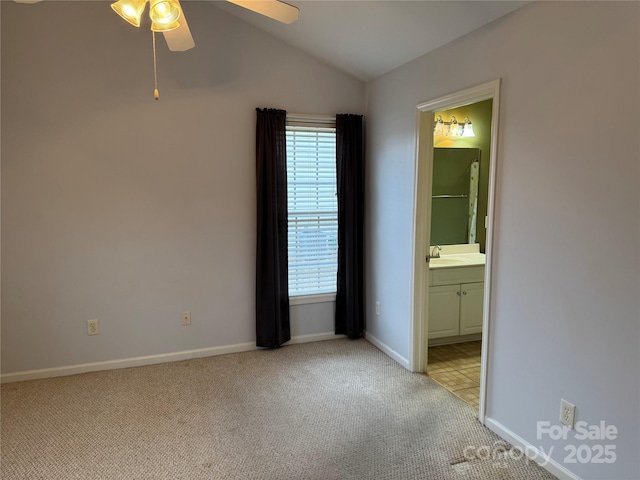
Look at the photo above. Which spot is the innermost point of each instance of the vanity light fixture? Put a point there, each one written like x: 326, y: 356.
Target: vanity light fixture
x: 453, y: 128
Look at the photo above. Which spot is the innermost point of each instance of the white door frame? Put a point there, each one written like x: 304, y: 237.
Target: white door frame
x: 422, y: 223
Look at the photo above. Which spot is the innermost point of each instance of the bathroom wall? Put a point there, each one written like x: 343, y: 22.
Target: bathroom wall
x: 480, y: 115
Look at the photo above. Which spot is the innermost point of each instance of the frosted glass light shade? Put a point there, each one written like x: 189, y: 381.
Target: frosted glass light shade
x: 454, y: 128
x: 161, y: 27
x: 164, y: 13
x: 468, y: 129
x: 130, y: 10
x: 439, y: 128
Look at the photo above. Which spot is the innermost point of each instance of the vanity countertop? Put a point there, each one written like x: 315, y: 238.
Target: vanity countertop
x: 457, y: 256
x: 457, y: 260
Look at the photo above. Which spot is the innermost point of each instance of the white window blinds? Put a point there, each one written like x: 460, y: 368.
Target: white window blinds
x: 312, y: 209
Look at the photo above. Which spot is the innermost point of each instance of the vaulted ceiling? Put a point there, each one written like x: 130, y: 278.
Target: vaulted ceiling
x: 369, y: 38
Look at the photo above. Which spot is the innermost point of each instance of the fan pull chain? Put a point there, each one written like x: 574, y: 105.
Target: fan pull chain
x: 156, y: 94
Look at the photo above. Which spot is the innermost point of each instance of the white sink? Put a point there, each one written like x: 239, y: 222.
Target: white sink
x: 457, y: 260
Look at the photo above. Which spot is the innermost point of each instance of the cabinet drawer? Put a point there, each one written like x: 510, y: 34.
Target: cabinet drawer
x: 450, y: 276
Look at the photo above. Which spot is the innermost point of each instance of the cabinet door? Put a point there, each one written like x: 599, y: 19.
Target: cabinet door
x: 444, y: 311
x: 471, y: 300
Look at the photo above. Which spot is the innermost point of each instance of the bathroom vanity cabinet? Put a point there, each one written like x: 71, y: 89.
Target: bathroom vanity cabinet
x: 455, y: 301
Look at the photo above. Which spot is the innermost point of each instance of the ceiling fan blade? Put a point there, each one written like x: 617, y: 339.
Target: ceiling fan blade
x: 275, y: 9
x: 27, y: 1
x: 180, y: 39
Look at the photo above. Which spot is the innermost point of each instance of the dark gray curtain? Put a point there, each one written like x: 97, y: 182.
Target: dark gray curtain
x: 350, y: 177
x: 272, y: 285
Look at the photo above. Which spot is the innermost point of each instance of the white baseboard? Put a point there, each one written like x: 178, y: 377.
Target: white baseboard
x: 388, y: 350
x: 532, y: 452
x: 152, y: 359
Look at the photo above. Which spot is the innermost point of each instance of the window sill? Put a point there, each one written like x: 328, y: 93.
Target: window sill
x: 305, y: 299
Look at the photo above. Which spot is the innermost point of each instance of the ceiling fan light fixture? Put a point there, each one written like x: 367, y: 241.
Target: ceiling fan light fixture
x: 162, y: 27
x: 164, y: 13
x: 130, y: 10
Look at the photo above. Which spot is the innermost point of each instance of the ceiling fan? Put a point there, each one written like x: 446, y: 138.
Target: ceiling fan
x: 167, y: 16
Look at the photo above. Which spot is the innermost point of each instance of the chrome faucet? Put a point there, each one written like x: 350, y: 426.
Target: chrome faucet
x: 435, y: 251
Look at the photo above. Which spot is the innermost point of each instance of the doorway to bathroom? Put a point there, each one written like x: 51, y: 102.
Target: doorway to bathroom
x: 456, y: 157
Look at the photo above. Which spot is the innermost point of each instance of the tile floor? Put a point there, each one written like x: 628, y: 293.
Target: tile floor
x: 457, y: 368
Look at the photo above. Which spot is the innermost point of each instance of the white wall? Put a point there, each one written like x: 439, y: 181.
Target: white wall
x: 131, y: 211
x: 566, y: 314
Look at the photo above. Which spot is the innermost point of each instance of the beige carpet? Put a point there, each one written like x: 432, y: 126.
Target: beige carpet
x: 328, y: 410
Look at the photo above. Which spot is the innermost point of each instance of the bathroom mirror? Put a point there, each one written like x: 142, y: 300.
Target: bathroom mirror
x: 454, y: 204
x: 453, y: 158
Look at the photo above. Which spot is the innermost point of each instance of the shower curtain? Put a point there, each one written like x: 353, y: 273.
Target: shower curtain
x: 473, y: 200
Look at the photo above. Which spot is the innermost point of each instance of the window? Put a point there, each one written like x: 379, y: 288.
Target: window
x: 312, y: 208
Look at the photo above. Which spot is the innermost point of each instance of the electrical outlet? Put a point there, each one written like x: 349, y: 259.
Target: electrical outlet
x: 186, y: 318
x: 378, y: 308
x: 567, y: 413
x: 92, y: 327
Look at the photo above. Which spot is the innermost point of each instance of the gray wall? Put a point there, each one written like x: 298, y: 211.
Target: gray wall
x: 565, y: 309
x: 131, y: 211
